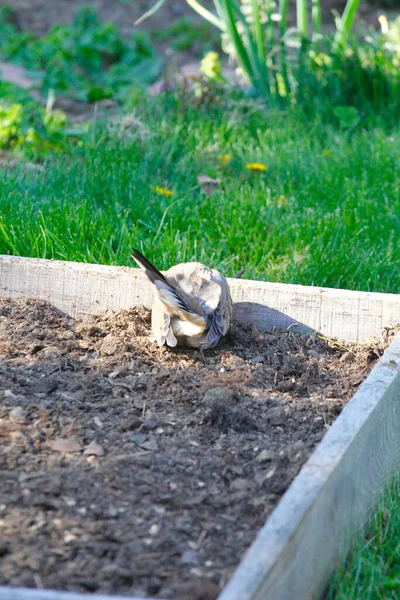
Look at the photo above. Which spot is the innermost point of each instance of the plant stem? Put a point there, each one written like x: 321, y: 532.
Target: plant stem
x: 316, y: 16
x: 301, y: 8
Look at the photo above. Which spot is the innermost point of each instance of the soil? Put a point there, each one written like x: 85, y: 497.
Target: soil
x: 134, y: 470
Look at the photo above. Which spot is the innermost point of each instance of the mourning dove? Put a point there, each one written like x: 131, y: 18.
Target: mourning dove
x: 192, y: 305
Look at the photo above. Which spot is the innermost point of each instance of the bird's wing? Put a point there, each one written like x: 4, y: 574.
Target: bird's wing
x: 207, y: 294
x: 221, y: 316
x: 161, y: 325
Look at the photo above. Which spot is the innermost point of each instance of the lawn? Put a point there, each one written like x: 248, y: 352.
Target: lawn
x: 325, y: 212
x: 372, y: 571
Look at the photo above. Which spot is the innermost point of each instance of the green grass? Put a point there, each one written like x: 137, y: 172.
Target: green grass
x: 373, y: 570
x: 339, y: 228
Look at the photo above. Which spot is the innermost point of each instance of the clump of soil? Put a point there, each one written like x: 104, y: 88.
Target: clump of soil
x: 134, y: 470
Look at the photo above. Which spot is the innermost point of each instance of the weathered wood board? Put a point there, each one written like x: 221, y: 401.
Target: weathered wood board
x: 333, y: 495
x: 8, y: 593
x: 81, y: 289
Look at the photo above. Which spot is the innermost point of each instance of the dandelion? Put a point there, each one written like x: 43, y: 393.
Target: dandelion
x: 255, y: 167
x: 327, y: 153
x: 163, y: 192
x: 282, y: 200
x: 225, y: 158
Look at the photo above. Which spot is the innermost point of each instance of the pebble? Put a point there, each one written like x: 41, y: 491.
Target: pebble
x: 240, y: 484
x: 285, y: 386
x: 139, y: 438
x: 218, y: 394
x: 149, y: 445
x: 112, y: 345
x: 16, y: 414
x: 93, y: 449
x: 154, y: 529
x: 190, y: 557
x: 265, y: 455
x: 348, y: 357
x: 257, y: 359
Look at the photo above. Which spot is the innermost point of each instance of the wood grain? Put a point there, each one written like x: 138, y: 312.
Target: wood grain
x: 82, y: 289
x: 308, y: 533
x: 9, y: 593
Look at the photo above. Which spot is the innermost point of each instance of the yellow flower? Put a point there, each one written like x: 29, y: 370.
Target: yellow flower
x: 163, y: 191
x: 256, y: 167
x: 327, y: 153
x: 282, y: 200
x: 225, y: 158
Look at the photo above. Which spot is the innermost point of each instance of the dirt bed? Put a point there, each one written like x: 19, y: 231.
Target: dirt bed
x: 133, y: 470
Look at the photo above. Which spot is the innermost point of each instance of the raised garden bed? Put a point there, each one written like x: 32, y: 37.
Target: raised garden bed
x: 138, y: 471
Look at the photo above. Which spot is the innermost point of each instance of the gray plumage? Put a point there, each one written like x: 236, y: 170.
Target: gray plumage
x: 192, y: 305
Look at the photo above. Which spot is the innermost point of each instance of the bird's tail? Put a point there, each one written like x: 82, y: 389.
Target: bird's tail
x: 151, y: 271
x: 169, y: 294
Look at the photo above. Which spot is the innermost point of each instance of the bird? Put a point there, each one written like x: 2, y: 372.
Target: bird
x: 192, y: 304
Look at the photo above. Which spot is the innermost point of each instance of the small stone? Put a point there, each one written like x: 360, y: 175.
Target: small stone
x: 149, y: 425
x: 38, y: 333
x: 190, y: 557
x: 149, y: 445
x: 348, y: 357
x: 154, y: 529
x: 16, y: 414
x: 218, y: 394
x: 270, y: 473
x: 65, y: 445
x: 83, y: 344
x: 98, y: 422
x: 257, y: 359
x: 285, y: 386
x: 112, y: 345
x: 139, y: 438
x: 131, y: 423
x: 239, y: 485
x: 265, y: 455
x: 94, y: 449
x: 66, y: 335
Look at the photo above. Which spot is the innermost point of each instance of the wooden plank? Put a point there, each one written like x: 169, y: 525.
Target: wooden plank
x: 307, y: 535
x: 82, y: 289
x: 10, y: 593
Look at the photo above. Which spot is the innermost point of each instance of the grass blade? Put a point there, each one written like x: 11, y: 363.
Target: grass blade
x: 346, y: 21
x: 316, y: 16
x: 259, y: 67
x: 150, y: 12
x: 258, y: 30
x: 283, y: 9
x: 206, y: 14
x: 301, y: 8
x: 241, y: 52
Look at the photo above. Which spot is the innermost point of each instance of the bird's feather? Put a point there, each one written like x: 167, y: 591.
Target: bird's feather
x: 151, y: 271
x: 192, y: 305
